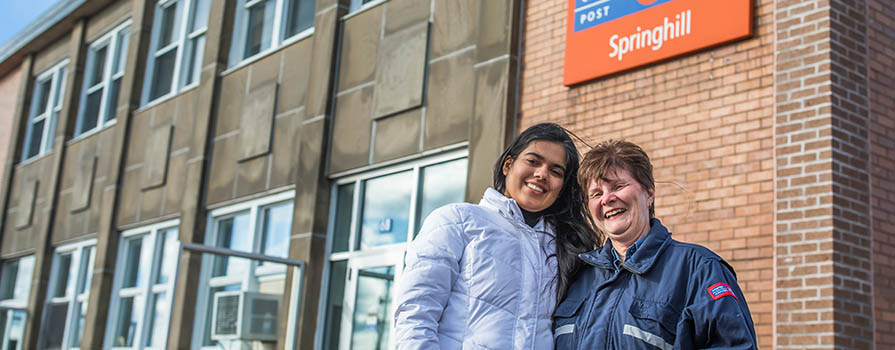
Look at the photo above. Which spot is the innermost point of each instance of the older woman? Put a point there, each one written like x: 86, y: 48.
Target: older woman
x: 644, y: 290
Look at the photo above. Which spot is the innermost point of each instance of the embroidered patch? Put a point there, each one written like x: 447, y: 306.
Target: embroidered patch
x: 719, y: 290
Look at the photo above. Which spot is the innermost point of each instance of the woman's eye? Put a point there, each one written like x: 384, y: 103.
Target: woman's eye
x: 531, y: 161
x: 618, y: 187
x: 557, y: 172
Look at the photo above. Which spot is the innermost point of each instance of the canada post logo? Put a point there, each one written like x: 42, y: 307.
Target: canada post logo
x: 608, y: 36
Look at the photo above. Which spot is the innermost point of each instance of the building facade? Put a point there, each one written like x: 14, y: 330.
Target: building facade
x: 203, y: 174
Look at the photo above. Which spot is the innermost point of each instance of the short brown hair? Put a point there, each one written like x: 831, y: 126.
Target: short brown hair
x: 608, y: 156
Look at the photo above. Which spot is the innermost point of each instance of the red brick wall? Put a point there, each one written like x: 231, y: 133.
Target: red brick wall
x: 707, y: 122
x: 881, y: 83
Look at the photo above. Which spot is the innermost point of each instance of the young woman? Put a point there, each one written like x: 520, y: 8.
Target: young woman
x: 489, y: 275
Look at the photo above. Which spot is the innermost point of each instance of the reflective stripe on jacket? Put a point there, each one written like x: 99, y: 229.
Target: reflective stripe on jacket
x: 666, y: 295
x: 477, y: 277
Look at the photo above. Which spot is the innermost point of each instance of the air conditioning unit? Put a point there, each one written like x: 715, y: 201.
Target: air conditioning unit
x: 245, y: 316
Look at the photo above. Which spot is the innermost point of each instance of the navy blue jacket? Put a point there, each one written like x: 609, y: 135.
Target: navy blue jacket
x: 666, y: 295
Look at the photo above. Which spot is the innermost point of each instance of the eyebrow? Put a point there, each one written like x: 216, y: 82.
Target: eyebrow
x: 541, y: 158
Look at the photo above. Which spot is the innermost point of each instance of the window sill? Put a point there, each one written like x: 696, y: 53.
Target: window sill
x: 261, y: 55
x: 91, y: 132
x: 34, y: 159
x: 363, y: 8
x: 166, y: 98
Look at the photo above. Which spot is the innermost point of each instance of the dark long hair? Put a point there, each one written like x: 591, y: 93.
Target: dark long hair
x: 574, y: 234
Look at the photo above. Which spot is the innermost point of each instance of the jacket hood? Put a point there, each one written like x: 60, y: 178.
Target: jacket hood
x: 642, y: 260
x: 508, y: 208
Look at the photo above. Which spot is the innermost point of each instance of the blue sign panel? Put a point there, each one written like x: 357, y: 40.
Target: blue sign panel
x: 591, y: 13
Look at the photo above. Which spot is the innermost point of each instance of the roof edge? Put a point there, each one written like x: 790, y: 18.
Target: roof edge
x: 38, y: 27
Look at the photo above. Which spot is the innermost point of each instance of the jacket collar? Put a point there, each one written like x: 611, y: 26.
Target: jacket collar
x: 508, y: 208
x: 642, y: 260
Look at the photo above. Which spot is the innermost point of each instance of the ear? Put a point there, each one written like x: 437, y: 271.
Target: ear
x: 506, y: 165
x: 651, y: 197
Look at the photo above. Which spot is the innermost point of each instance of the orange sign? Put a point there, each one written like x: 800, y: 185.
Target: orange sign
x: 608, y: 36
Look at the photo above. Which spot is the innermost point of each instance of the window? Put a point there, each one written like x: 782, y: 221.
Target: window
x: 176, y: 48
x: 102, y: 81
x: 144, y: 282
x: 358, y: 4
x: 67, y: 296
x: 46, y: 103
x: 262, y: 25
x: 15, y: 288
x: 373, y: 216
x: 260, y: 226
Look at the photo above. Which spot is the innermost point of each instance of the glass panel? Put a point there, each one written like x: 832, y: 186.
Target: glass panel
x: 134, y: 275
x: 51, y: 133
x: 99, y: 65
x: 8, y: 280
x: 193, y: 64
x: 114, y: 89
x: 370, y: 326
x: 443, y: 184
x: 86, y: 270
x: 386, y: 210
x: 233, y: 233
x: 277, y: 225
x: 42, y: 95
x: 334, y: 300
x: 129, y: 313
x: 91, y: 110
x: 121, y: 52
x: 35, y: 139
x: 56, y: 316
x: 63, y: 278
x: 167, y: 25
x: 168, y: 257
x: 300, y: 16
x: 260, y: 26
x: 163, y: 75
x: 23, y: 278
x: 81, y: 310
x: 57, y: 94
x: 342, y: 228
x: 158, y: 321
x: 200, y: 15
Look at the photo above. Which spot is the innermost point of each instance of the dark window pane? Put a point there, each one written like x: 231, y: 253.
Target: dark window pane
x: 129, y: 313
x: 99, y: 65
x: 335, y: 299
x: 62, y: 276
x: 91, y: 110
x: 8, y: 280
x: 133, y: 273
x: 163, y: 75
x: 114, y: 90
x: 386, y: 210
x: 35, y: 139
x: 260, y: 26
x: 300, y: 16
x: 166, y: 26
x: 56, y: 316
x: 42, y: 96
x: 193, y: 64
x: 342, y: 228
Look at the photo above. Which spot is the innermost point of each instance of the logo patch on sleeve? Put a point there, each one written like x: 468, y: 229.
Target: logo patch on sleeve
x: 719, y: 290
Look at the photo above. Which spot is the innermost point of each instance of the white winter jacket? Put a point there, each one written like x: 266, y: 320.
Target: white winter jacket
x: 478, y: 277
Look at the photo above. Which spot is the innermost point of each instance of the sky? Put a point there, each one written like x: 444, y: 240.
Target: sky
x: 15, y: 15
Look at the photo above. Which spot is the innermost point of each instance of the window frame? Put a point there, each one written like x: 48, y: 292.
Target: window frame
x: 247, y: 281
x: 357, y: 258
x: 57, y: 75
x: 185, y: 14
x: 278, y: 38
x: 151, y: 236
x: 360, y: 5
x: 15, y: 306
x: 78, y: 272
x: 112, y: 40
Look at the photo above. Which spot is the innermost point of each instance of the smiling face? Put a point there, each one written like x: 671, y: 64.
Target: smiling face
x: 535, y: 177
x: 619, y: 206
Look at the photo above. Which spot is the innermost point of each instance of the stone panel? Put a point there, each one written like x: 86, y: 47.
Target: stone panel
x: 265, y: 71
x: 310, y: 212
x: 397, y: 136
x: 151, y: 206
x: 401, y: 67
x: 83, y: 186
x: 257, y: 122
x: 223, y: 169
x: 400, y: 14
x: 138, y: 138
x: 107, y: 19
x: 26, y: 205
x: 294, y: 79
x: 131, y: 195
x: 491, y: 126
x: 360, y: 40
x: 52, y: 55
x: 176, y: 184
x: 321, y: 63
x: 454, y: 25
x: 155, y: 156
x: 352, y: 124
x: 185, y: 116
x: 251, y: 176
x: 450, y: 100
x: 495, y: 30
x: 286, y: 142
x: 233, y: 93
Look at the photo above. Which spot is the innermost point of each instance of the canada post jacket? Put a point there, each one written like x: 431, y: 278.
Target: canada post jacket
x: 477, y: 277
x: 666, y: 295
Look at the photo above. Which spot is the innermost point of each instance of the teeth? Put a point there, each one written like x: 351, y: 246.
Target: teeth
x: 613, y: 212
x: 536, y: 188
